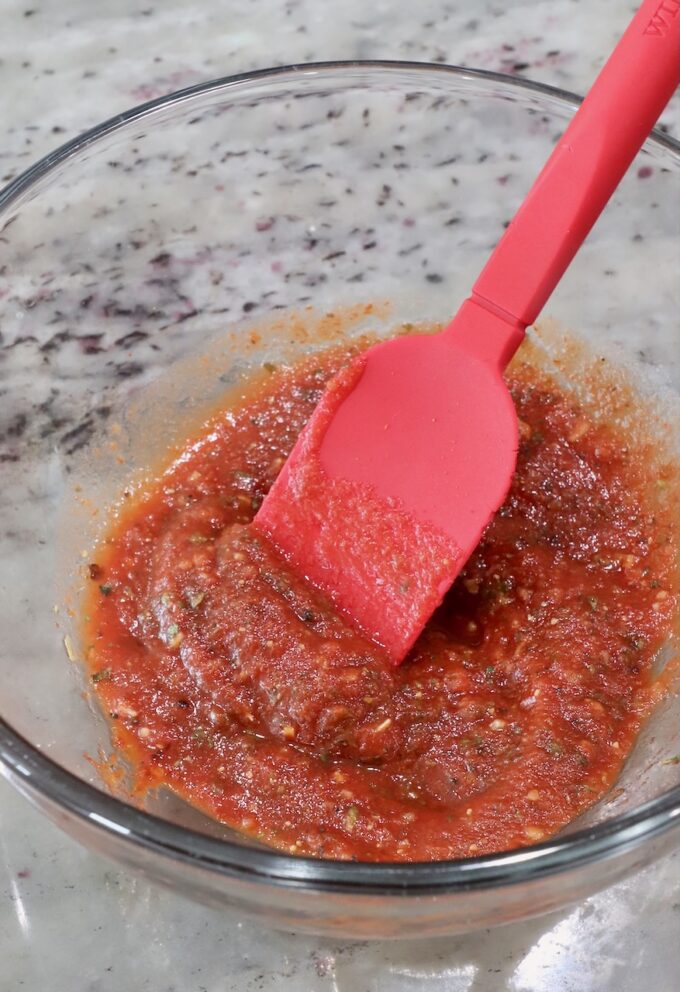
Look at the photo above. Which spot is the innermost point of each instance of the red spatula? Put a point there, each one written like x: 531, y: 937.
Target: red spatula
x: 412, y: 449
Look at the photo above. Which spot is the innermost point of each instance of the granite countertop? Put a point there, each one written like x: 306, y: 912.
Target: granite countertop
x: 71, y: 922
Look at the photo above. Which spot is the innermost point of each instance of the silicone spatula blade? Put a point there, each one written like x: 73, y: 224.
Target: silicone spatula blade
x: 411, y: 450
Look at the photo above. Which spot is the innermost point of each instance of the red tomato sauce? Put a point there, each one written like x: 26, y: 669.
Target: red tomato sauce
x: 231, y: 682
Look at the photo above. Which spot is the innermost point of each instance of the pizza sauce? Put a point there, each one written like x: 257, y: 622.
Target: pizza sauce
x: 230, y: 681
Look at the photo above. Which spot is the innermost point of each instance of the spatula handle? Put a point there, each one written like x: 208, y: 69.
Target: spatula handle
x: 586, y: 166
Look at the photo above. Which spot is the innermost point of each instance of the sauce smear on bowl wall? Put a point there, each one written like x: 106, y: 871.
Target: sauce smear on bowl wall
x: 230, y: 681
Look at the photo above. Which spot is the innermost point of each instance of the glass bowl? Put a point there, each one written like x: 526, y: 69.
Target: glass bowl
x: 134, y: 263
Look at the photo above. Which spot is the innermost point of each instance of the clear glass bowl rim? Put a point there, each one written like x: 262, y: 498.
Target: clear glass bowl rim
x: 36, y: 775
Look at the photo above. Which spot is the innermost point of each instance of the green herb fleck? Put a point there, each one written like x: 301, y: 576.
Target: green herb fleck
x: 498, y: 588
x: 675, y: 760
x: 173, y: 636
x: 593, y: 603
x: 103, y: 675
x: 197, y: 539
x: 106, y: 589
x: 201, y: 735
x: 243, y: 480
x: 554, y: 747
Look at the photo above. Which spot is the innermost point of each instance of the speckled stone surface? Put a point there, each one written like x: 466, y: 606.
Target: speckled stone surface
x: 70, y: 922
